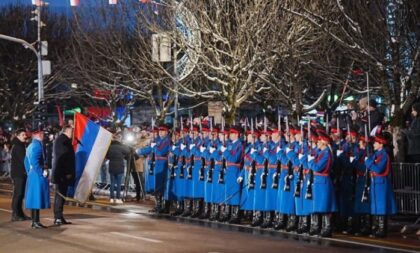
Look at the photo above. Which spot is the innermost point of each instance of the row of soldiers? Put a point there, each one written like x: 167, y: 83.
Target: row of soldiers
x: 297, y: 180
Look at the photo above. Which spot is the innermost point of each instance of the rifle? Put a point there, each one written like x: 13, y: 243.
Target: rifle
x: 251, y: 176
x: 277, y: 176
x: 183, y: 162
x: 308, y: 194
x: 265, y: 172
x: 221, y: 179
x: 299, y: 182
x: 366, y: 188
x: 153, y: 158
x: 174, y: 166
x: 289, y: 176
x: 203, y: 164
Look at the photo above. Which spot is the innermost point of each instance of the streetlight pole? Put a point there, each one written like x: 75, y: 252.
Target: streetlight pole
x: 39, y: 54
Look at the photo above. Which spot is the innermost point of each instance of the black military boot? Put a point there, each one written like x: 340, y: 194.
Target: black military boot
x: 35, y: 219
x: 292, y: 223
x: 353, y: 225
x: 326, y: 230
x: 365, y: 224
x: 235, y: 216
x: 299, y: 229
x: 268, y: 220
x: 306, y: 223
x: 187, y: 208
x: 280, y: 221
x: 381, y: 232
x: 375, y: 225
x: 206, y: 212
x: 257, y: 219
x: 314, y: 230
x: 195, y: 211
x: 224, y: 213
x: 215, y: 212
x: 178, y: 209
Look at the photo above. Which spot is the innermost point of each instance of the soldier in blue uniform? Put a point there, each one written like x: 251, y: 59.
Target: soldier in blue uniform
x: 221, y: 179
x: 382, y: 200
x: 210, y: 144
x: 324, y: 201
x: 286, y: 216
x: 217, y: 187
x: 346, y: 183
x: 158, y: 172
x: 183, y: 160
x: 171, y: 193
x: 234, y: 156
x: 197, y: 190
x: 362, y: 219
x: 296, y: 157
x: 37, y: 194
x: 257, y: 154
x: 247, y: 177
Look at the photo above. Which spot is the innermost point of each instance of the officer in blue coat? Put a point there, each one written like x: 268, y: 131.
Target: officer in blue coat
x: 221, y: 180
x: 324, y: 200
x: 362, y: 218
x: 234, y: 157
x: 247, y: 176
x: 382, y: 200
x: 257, y: 154
x: 37, y: 194
x: 197, y: 188
x: 171, y: 191
x: 218, y: 193
x: 210, y: 144
x: 157, y: 174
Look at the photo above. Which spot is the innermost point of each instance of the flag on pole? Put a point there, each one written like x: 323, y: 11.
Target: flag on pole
x: 74, y: 2
x: 112, y: 1
x: 91, y: 143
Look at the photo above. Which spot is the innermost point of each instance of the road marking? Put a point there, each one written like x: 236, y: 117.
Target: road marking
x: 137, y: 237
x: 6, y: 210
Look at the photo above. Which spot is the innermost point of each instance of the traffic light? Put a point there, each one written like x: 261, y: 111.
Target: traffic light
x: 41, y: 113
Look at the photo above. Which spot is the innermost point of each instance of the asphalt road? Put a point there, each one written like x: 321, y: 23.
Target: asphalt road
x: 104, y: 231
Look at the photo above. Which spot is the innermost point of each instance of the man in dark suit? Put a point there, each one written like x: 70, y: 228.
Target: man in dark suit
x: 18, y: 174
x: 63, y: 171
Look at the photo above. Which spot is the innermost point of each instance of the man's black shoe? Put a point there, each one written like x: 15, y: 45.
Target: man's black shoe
x: 18, y: 218
x: 62, y: 221
x: 37, y: 225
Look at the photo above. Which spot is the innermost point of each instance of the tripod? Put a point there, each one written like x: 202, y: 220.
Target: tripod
x: 130, y: 163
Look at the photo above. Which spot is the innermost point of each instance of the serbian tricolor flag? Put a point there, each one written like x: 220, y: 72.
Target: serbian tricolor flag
x: 91, y: 143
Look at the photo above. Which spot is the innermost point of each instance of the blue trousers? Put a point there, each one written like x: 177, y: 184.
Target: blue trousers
x: 115, y: 180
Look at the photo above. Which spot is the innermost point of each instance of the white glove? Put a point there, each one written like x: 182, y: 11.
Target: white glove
x: 153, y: 144
x: 239, y: 180
x: 310, y: 158
x: 253, y: 150
x: 301, y: 156
x: 192, y: 146
x: 277, y: 149
x: 223, y: 148
x: 265, y: 149
x: 45, y: 173
x: 212, y: 150
x: 202, y: 149
x: 288, y: 150
x: 173, y: 147
x: 339, y: 152
x: 183, y: 146
x: 366, y: 158
x: 274, y: 175
x: 352, y: 158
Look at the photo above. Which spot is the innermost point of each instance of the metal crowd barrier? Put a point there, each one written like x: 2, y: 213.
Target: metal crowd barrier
x: 406, y: 182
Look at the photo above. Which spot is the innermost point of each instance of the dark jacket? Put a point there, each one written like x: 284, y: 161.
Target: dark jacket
x: 63, y: 161
x: 117, y: 152
x: 18, y: 157
x: 413, y: 137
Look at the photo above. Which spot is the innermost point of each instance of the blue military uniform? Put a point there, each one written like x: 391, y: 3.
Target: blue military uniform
x: 37, y: 194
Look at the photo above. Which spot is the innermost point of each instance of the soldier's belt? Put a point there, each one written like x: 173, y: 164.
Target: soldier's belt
x: 272, y: 166
x: 164, y: 158
x: 284, y: 167
x: 321, y: 174
x: 233, y: 164
x: 197, y: 158
x: 360, y: 174
x: 218, y: 163
x: 296, y: 169
x: 374, y: 174
x: 186, y: 160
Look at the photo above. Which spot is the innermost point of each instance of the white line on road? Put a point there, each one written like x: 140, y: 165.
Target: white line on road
x: 137, y: 237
